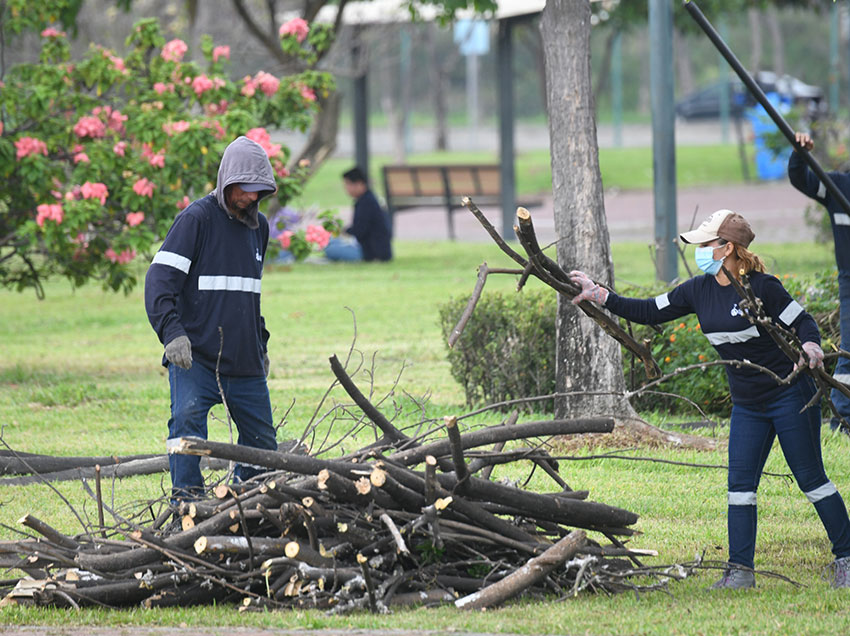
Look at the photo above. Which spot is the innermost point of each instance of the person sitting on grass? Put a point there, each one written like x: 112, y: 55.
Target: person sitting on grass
x: 762, y: 410
x: 369, y: 234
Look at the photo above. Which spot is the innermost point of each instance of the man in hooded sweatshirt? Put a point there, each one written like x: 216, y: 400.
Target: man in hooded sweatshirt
x: 202, y: 297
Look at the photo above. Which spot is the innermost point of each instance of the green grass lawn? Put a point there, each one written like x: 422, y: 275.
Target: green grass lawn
x: 80, y: 375
x: 624, y: 168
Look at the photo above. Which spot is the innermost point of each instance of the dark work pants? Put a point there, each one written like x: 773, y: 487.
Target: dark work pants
x: 193, y: 394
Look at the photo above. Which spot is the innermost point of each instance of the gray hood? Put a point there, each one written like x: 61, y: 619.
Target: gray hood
x: 245, y: 161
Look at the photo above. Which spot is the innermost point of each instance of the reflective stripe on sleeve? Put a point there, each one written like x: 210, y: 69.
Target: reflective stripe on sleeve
x: 842, y: 218
x: 790, y: 313
x: 821, y: 492
x: 844, y: 378
x: 732, y: 337
x: 229, y: 283
x: 821, y: 190
x: 662, y: 301
x: 741, y: 498
x: 172, y: 259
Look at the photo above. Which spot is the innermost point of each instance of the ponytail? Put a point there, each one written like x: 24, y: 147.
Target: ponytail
x: 749, y: 261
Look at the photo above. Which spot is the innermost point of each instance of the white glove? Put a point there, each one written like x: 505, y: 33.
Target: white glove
x: 815, y: 354
x: 179, y: 352
x: 589, y: 290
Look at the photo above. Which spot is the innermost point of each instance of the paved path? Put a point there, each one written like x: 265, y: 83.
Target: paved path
x: 774, y: 209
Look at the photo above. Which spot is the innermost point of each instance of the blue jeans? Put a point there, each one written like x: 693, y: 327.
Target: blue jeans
x: 193, y: 394
x: 753, y: 430
x: 344, y: 248
x: 842, y: 369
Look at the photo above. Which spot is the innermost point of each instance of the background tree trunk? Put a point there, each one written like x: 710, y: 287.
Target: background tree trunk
x: 587, y: 359
x: 754, y: 17
x: 684, y: 69
x: 777, y: 41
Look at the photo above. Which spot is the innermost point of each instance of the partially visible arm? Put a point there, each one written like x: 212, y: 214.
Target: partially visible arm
x: 650, y: 311
x: 799, y: 174
x: 166, y: 276
x: 788, y: 312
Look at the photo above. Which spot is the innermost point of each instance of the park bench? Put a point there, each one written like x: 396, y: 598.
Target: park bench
x: 415, y: 186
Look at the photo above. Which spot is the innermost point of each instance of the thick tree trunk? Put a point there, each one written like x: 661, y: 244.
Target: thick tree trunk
x: 588, y: 361
x: 776, y: 39
x: 754, y: 18
x: 684, y: 68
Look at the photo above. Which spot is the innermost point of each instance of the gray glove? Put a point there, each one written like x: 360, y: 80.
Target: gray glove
x: 266, y: 363
x: 179, y: 352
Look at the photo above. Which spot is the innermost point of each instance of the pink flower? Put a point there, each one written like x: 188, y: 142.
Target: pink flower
x: 297, y: 27
x: 156, y: 159
x: 175, y: 127
x: 174, y: 50
x: 81, y: 157
x: 201, y: 84
x: 285, y: 238
x: 250, y: 86
x: 183, y: 203
x: 29, y: 146
x: 144, y: 188
x: 89, y: 127
x: 119, y: 148
x: 221, y: 51
x: 115, y: 121
x: 1, y: 124
x: 117, y: 62
x: 267, y: 83
x: 307, y: 93
x: 94, y: 191
x: 52, y: 211
x: 50, y: 32
x: 161, y: 87
x: 134, y: 218
x: 261, y: 136
x: 318, y: 235
x: 281, y: 170
x: 122, y: 259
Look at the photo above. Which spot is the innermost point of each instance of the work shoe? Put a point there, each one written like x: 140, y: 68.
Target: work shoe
x: 841, y: 572
x: 736, y: 579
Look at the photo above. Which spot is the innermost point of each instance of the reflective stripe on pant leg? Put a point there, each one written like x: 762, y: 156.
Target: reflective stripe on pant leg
x: 821, y: 492
x: 741, y: 498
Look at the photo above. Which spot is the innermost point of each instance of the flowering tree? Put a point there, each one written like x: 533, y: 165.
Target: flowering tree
x: 98, y: 155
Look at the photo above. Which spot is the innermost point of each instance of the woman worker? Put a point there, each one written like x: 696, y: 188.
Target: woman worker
x: 761, y: 409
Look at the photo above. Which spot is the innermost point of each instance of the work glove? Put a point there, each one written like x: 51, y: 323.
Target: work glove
x: 179, y: 352
x: 589, y: 290
x: 815, y: 354
x: 266, y: 363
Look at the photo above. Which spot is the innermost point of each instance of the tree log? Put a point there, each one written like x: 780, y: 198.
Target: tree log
x: 505, y: 433
x: 529, y: 574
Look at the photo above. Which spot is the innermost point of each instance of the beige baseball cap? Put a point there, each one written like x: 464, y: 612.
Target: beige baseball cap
x: 724, y: 224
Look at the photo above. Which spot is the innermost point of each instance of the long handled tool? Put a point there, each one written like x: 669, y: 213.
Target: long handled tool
x: 757, y: 92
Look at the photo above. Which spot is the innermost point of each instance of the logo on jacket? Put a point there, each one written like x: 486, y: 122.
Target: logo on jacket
x: 257, y: 255
x: 736, y: 311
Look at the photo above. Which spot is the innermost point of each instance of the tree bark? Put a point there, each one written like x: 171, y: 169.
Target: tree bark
x: 776, y: 39
x: 589, y: 363
x: 754, y: 19
x: 527, y: 575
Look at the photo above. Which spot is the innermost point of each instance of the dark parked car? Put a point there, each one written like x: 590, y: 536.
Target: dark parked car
x: 705, y: 102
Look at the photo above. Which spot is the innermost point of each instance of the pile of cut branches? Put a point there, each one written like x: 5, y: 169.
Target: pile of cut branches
x: 403, y: 520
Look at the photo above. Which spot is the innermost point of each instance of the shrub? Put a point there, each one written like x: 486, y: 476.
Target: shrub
x: 507, y: 349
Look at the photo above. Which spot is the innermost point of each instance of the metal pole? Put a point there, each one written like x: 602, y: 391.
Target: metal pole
x: 361, y: 107
x: 506, y: 126
x: 617, y: 88
x: 756, y: 92
x: 663, y: 137
x: 404, y: 82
